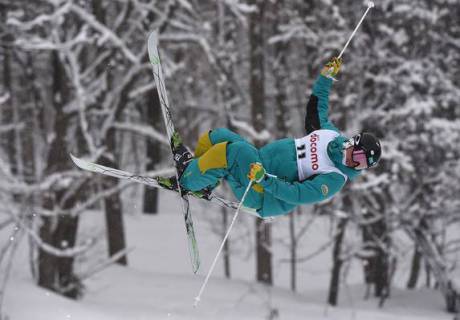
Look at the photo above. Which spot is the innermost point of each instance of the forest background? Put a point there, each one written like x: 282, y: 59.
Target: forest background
x: 75, y: 78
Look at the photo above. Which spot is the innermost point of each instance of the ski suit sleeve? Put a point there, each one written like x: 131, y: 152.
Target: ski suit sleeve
x: 321, y: 187
x: 318, y: 106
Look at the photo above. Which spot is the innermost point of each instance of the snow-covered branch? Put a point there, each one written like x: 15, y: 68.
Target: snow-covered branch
x: 6, y: 223
x: 240, y: 10
x: 4, y: 98
x: 106, y: 32
x: 80, y: 94
x: 316, y: 252
x: 81, y: 207
x: 10, y: 184
x: 9, y: 249
x: 58, y: 252
x: 41, y: 19
x: 250, y: 131
x: 10, y: 127
x: 104, y: 265
x: 142, y: 130
x: 377, y: 180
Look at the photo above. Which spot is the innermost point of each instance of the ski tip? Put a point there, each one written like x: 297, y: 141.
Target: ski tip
x: 89, y: 166
x: 195, y: 270
x: 78, y: 162
x: 152, y: 45
x: 153, y: 36
x: 74, y: 159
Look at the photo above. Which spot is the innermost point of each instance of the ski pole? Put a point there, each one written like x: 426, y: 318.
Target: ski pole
x: 198, y: 297
x: 369, y: 6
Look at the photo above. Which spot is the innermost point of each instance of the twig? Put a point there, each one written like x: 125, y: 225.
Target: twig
x: 6, y: 223
x: 105, y: 264
x: 314, y: 253
x: 119, y: 187
x: 97, y: 268
x: 70, y: 252
x: 13, y: 243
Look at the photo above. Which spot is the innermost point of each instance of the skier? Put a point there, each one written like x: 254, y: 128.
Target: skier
x: 286, y: 172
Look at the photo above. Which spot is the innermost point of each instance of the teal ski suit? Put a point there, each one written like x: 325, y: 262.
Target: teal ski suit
x: 278, y: 195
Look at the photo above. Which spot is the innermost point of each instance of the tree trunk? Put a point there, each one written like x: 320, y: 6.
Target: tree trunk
x: 224, y: 36
x: 226, y: 249
x: 427, y: 276
x: 381, y: 262
x: 113, y: 203
x: 257, y: 67
x: 376, y: 269
x: 7, y: 109
x: 415, y: 269
x: 263, y: 254
x: 46, y: 262
x: 59, y: 231
x: 280, y: 72
x: 153, y: 115
x: 56, y: 273
x: 113, y: 206
x: 337, y: 263
x: 293, y: 252
x: 257, y: 93
x: 437, y: 265
x: 33, y: 132
x: 66, y: 236
x: 114, y: 223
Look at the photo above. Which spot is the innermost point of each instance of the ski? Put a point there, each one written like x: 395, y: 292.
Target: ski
x: 146, y: 180
x: 174, y: 139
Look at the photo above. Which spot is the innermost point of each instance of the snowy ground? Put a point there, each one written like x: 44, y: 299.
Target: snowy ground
x: 158, y: 283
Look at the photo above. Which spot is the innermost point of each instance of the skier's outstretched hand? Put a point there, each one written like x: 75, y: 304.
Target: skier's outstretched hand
x: 256, y: 172
x: 332, y: 68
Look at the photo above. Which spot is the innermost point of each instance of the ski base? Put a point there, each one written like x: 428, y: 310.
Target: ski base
x: 153, y: 182
x: 154, y: 57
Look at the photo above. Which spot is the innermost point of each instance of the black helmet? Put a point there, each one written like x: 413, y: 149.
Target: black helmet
x: 370, y: 145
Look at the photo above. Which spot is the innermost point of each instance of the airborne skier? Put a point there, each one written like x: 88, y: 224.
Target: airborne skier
x: 270, y: 181
x: 286, y: 172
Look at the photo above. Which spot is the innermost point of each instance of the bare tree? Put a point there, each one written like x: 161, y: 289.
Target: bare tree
x: 257, y: 94
x: 153, y: 152
x: 415, y: 268
x: 338, y: 256
x: 59, y: 229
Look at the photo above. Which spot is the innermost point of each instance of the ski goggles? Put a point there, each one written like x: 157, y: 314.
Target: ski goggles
x: 358, y: 154
x: 359, y: 159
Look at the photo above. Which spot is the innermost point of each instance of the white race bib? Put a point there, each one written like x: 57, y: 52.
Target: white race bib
x: 312, y: 157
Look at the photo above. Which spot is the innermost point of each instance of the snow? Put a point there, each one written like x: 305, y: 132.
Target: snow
x: 4, y: 98
x: 398, y: 79
x: 159, y: 284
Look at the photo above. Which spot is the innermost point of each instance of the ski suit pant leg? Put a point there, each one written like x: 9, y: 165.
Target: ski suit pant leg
x: 237, y: 155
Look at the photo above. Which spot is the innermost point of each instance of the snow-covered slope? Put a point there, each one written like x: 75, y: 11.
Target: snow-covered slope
x: 159, y: 284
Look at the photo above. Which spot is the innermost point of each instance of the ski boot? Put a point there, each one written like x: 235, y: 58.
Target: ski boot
x: 171, y: 184
x: 182, y: 156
